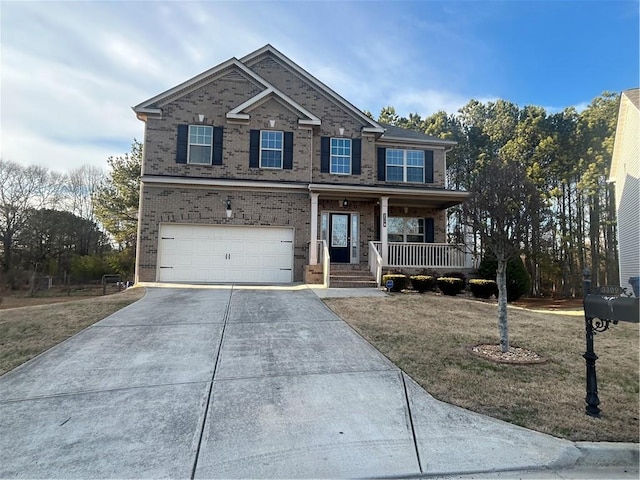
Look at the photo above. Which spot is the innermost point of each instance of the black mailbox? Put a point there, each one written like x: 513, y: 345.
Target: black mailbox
x: 626, y: 309
x: 596, y: 306
x: 608, y: 304
x: 615, y: 309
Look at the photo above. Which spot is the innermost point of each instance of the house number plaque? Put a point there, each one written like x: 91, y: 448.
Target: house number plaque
x: 384, y: 220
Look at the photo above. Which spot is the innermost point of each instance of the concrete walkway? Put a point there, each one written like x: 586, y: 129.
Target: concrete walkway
x: 242, y: 383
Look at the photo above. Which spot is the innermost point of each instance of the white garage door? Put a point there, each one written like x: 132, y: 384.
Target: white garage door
x: 216, y: 254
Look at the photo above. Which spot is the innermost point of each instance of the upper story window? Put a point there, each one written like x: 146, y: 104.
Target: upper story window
x: 340, y: 156
x: 405, y: 165
x: 200, y: 146
x: 271, y: 147
x: 400, y: 165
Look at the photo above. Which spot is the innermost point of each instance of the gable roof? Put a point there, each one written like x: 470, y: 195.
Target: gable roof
x: 397, y: 133
x: 633, y: 94
x: 265, y: 95
x: 254, y: 57
x: 153, y: 105
x: 629, y: 105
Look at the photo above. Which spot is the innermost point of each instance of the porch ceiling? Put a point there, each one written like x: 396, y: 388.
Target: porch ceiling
x: 405, y: 197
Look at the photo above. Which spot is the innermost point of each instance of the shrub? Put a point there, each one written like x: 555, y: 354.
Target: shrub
x: 400, y: 281
x: 15, y: 279
x: 86, y: 268
x: 423, y: 283
x: 450, y: 285
x: 518, y: 279
x: 459, y: 275
x: 483, y: 288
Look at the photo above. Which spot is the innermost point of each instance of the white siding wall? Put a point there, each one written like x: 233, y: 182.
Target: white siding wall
x: 627, y: 179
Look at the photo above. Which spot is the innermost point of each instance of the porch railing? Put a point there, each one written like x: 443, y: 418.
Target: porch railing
x: 375, y: 262
x: 426, y: 255
x: 322, y: 258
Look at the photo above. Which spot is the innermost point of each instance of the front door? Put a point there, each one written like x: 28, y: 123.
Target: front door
x: 339, y: 237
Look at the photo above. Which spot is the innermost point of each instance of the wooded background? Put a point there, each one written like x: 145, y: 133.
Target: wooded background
x: 565, y: 155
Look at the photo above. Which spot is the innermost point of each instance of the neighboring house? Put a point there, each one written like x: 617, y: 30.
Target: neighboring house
x: 625, y: 173
x: 253, y: 167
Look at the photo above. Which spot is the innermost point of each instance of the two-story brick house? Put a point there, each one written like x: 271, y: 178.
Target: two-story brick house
x: 254, y: 170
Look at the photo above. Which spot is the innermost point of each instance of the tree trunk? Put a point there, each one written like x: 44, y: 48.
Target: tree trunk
x: 6, y: 257
x: 564, y: 242
x: 611, y: 244
x: 594, y: 238
x: 580, y: 240
x: 501, y: 280
x: 535, y: 252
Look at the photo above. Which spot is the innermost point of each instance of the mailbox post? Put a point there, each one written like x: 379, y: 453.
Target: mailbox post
x: 608, y: 304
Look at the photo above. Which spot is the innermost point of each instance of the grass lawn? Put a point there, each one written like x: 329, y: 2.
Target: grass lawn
x: 30, y: 330
x: 427, y: 336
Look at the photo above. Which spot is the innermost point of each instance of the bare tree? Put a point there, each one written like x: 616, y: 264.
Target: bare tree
x: 503, y: 201
x: 21, y: 190
x: 81, y: 185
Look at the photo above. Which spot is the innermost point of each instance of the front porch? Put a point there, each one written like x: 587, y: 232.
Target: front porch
x: 431, y: 256
x: 403, y: 228
x: 439, y: 257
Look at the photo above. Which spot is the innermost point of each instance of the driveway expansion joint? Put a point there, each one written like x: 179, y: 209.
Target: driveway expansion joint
x: 210, y: 392
x: 92, y: 392
x: 278, y: 322
x: 134, y: 325
x: 413, y: 428
x: 305, y: 374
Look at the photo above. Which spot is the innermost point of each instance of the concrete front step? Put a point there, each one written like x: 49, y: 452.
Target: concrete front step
x: 345, y: 275
x: 352, y: 283
x: 347, y: 267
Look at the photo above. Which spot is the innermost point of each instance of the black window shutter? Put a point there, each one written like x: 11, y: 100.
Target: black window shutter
x: 428, y: 166
x: 382, y: 163
x: 287, y: 161
x: 254, y: 149
x: 217, y: 145
x: 183, y: 144
x: 356, y: 149
x: 429, y: 230
x: 325, y: 147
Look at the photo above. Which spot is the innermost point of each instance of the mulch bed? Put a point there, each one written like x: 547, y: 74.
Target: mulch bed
x: 515, y: 355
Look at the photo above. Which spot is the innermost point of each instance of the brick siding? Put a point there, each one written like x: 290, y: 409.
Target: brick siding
x: 207, y: 206
x: 196, y: 205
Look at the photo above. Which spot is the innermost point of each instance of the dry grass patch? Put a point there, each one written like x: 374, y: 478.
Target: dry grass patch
x: 28, y: 331
x: 427, y: 336
x: 9, y: 299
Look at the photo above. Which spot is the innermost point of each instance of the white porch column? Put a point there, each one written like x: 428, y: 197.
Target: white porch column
x: 384, y: 214
x: 313, y: 244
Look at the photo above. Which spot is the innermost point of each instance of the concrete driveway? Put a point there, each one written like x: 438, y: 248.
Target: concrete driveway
x: 240, y: 383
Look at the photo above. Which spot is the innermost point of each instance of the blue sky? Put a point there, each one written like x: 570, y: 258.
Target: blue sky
x: 70, y: 71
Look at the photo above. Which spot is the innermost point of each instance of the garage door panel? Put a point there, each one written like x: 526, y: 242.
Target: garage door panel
x: 223, y: 254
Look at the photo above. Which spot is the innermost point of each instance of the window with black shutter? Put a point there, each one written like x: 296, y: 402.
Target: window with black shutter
x: 199, y: 144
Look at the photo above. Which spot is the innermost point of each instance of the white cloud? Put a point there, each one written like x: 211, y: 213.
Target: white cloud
x: 578, y: 106
x: 127, y: 55
x: 60, y: 156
